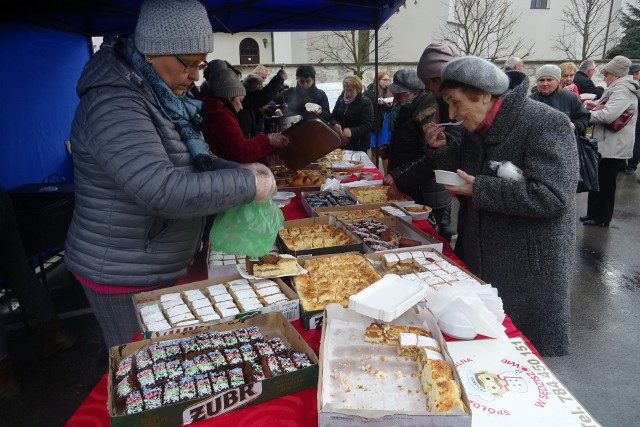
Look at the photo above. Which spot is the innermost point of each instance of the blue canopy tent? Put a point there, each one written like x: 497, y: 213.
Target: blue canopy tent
x: 45, y: 44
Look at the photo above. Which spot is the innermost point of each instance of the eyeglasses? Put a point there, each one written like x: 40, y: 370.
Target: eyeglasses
x: 192, y: 67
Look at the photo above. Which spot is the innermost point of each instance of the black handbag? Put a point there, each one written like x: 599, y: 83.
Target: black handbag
x: 589, y: 160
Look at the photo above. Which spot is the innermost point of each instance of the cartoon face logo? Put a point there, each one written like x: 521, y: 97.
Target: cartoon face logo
x: 491, y: 383
x: 489, y: 386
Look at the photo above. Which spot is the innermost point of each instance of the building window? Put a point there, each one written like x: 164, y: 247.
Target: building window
x: 249, y: 52
x: 539, y: 4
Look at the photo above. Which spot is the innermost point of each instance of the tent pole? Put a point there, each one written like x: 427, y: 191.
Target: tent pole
x: 376, y: 110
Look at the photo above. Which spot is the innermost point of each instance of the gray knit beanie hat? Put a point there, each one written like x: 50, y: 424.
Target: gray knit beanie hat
x: 477, y: 72
x: 173, y: 27
x: 224, y: 83
x: 434, y: 58
x: 549, y: 70
x: 406, y: 81
x: 618, y: 66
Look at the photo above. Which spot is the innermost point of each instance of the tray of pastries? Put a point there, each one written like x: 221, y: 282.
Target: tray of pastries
x: 374, y: 194
x: 333, y: 279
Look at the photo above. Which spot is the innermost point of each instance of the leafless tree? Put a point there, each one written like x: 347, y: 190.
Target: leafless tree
x: 485, y: 28
x: 353, y: 49
x: 585, y: 29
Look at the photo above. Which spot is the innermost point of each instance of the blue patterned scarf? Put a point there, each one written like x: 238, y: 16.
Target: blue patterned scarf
x: 395, y: 111
x: 183, y: 111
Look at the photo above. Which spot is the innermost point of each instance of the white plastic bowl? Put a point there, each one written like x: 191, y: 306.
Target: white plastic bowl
x: 311, y: 107
x: 446, y: 177
x: 418, y: 215
x: 587, y: 96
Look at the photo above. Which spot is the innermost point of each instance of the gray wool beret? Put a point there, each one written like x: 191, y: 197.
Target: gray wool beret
x: 173, y: 27
x: 477, y: 72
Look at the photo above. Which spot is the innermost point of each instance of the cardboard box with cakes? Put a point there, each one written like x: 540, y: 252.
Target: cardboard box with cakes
x: 315, y: 236
x: 376, y: 194
x: 388, y: 233
x: 193, y: 376
x: 329, y: 279
x: 195, y: 305
x: 380, y: 373
x: 362, y: 211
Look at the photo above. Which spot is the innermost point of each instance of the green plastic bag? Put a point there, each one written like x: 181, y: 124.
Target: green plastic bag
x: 248, y: 229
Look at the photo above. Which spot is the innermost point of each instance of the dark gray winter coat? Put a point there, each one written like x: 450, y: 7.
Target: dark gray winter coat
x: 139, y: 201
x: 520, y: 236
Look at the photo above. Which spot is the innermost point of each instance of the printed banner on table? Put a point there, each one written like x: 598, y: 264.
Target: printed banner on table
x: 508, y: 385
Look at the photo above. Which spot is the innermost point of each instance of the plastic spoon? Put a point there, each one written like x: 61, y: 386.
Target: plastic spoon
x: 451, y: 124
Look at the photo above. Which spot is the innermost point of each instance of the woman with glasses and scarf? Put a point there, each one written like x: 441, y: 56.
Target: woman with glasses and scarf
x: 382, y: 106
x: 144, y: 177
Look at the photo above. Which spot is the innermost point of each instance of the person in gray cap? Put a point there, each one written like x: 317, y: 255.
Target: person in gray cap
x: 519, y: 234
x: 548, y: 91
x: 144, y: 177
x: 614, y: 145
x: 406, y: 144
x: 415, y: 175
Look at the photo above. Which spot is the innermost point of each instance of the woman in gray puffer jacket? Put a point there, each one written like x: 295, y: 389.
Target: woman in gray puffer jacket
x: 519, y: 235
x: 140, y: 200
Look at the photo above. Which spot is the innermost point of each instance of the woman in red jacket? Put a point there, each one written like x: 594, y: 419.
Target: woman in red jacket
x: 222, y: 98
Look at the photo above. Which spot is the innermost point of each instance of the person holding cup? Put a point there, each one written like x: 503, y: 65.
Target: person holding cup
x: 519, y: 234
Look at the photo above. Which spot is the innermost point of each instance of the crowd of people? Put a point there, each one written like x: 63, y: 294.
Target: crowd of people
x: 154, y: 156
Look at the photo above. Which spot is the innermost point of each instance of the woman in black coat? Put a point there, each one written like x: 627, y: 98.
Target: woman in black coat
x: 352, y: 115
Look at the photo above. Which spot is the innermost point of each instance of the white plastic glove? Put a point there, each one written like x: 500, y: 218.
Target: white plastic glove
x: 256, y: 167
x: 265, y: 182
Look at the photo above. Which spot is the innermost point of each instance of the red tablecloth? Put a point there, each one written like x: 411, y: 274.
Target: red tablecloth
x: 298, y: 409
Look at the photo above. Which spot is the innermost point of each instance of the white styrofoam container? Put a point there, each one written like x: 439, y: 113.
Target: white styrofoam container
x: 388, y: 298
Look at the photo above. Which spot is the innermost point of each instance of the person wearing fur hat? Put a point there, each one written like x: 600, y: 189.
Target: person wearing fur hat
x: 222, y: 101
x: 548, y: 91
x: 519, y: 234
x: 615, y: 147
x: 413, y: 177
x: 145, y: 179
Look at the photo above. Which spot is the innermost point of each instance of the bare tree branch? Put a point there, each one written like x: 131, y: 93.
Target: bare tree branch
x: 353, y: 49
x: 485, y: 28
x: 585, y: 24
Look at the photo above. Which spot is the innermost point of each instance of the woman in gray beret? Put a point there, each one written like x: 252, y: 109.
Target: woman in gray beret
x: 144, y: 177
x: 519, y: 234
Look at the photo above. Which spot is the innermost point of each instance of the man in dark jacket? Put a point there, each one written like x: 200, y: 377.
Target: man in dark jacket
x: 583, y: 80
x: 305, y: 92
